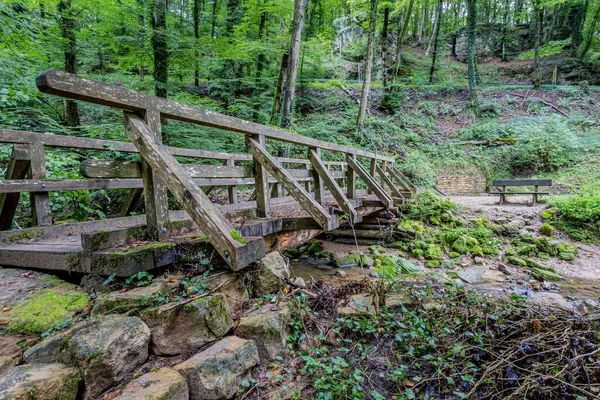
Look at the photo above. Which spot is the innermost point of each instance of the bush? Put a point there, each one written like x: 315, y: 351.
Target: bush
x: 579, y: 215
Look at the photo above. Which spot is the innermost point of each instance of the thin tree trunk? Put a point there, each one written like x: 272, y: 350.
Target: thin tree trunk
x: 279, y: 88
x: 435, y: 30
x: 364, y: 97
x: 67, y: 29
x: 214, y: 19
x: 384, y: 46
x: 536, y: 44
x: 260, y: 62
x: 423, y: 30
x: 436, y: 35
x: 292, y: 65
x: 590, y: 33
x: 196, y: 16
x: 159, y: 48
x: 401, y: 39
x: 472, y: 72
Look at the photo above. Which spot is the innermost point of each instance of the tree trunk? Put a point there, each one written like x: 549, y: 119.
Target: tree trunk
x: 196, y: 17
x: 260, y: 62
x: 401, y: 39
x: 590, y: 33
x: 536, y: 44
x: 436, y: 36
x: 435, y: 28
x: 214, y: 19
x: 364, y: 97
x: 472, y: 72
x: 67, y: 30
x: 159, y: 48
x: 576, y: 18
x: 279, y: 88
x: 384, y: 46
x: 424, y: 20
x: 292, y: 65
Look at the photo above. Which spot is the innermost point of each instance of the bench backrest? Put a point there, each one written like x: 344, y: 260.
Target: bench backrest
x: 522, y: 182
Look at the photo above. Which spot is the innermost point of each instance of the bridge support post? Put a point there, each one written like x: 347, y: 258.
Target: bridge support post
x: 261, y: 182
x: 232, y: 190
x: 318, y: 182
x: 351, y: 175
x: 40, y: 202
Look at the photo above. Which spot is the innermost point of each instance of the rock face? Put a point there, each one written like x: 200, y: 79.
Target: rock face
x: 105, y: 349
x: 488, y: 42
x: 549, y: 301
x: 122, y: 302
x: 36, y: 302
x: 272, y: 271
x: 268, y: 328
x: 217, y: 372
x: 164, y: 384
x: 40, y: 382
x: 188, y: 327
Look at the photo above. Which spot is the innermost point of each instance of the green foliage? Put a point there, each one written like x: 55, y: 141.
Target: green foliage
x: 578, y: 214
x: 142, y: 278
x: 547, y: 49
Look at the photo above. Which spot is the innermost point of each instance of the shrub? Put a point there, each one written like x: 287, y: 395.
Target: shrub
x: 579, y: 214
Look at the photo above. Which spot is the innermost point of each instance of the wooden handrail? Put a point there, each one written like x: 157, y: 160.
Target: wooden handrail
x: 72, y: 86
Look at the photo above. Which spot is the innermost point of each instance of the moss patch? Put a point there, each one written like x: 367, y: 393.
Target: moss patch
x: 45, y: 309
x: 237, y: 237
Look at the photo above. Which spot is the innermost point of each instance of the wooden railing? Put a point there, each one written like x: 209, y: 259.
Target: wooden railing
x: 159, y: 170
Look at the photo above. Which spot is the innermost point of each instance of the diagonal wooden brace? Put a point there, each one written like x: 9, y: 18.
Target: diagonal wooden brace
x: 307, y: 202
x: 333, y: 186
x: 18, y: 166
x: 370, y: 181
x: 386, y: 178
x: 238, y: 253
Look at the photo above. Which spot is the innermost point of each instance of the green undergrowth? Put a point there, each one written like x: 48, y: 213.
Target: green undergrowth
x: 578, y: 215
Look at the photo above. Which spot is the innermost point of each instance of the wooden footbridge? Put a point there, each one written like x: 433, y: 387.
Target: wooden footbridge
x: 295, y: 199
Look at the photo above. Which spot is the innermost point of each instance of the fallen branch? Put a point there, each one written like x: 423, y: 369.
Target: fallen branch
x: 543, y: 102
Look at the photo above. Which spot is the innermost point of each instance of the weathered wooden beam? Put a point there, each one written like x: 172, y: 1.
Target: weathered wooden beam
x: 133, y: 198
x: 232, y: 190
x: 73, y: 86
x: 314, y: 209
x: 351, y: 176
x: 333, y: 186
x: 18, y: 167
x: 372, y: 168
x: 386, y: 178
x: 238, y: 253
x: 370, y: 181
x: 40, y: 201
x: 318, y: 183
x: 261, y: 186
x: 400, y: 178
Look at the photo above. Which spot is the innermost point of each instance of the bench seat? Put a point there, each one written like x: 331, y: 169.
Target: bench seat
x: 519, y: 192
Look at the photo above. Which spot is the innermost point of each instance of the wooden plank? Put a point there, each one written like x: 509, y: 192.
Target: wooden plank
x: 318, y: 183
x: 314, y: 209
x: 72, y: 86
x: 401, y: 179
x: 232, y: 190
x: 133, y: 198
x: 333, y: 187
x: 261, y: 186
x: 351, y: 175
x: 18, y: 167
x: 386, y: 178
x: 40, y: 201
x: 370, y: 181
x: 522, y: 182
x: 372, y: 171
x: 237, y: 254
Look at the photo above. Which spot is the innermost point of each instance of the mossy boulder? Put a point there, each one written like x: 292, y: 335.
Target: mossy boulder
x: 218, y: 372
x: 105, y: 349
x: 433, y: 252
x: 517, y: 261
x: 122, y: 302
x: 40, y: 382
x: 418, y: 252
x: 465, y: 244
x: 37, y: 302
x: 269, y: 329
x: 547, y: 230
x: 161, y: 384
x: 354, y: 259
x: 433, y: 264
x: 545, y: 245
x: 412, y: 225
x: 527, y: 250
x: 314, y: 247
x: 376, y: 250
x: 566, y: 251
x: 549, y: 212
x: 187, y: 327
x: 273, y: 270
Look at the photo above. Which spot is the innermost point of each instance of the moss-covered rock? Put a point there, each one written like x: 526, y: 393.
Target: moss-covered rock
x: 549, y: 212
x: 433, y: 264
x: 518, y: 261
x: 433, y: 252
x: 354, y: 259
x: 527, y: 250
x: 545, y: 245
x: 272, y: 272
x: 547, y: 230
x: 269, y: 329
x: 314, y: 247
x: 376, y: 250
x: 122, y: 302
x: 40, y: 382
x: 187, y: 327
x: 418, y: 252
x: 566, y: 251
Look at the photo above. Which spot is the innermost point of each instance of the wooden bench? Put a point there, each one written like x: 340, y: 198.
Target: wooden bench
x: 502, y: 184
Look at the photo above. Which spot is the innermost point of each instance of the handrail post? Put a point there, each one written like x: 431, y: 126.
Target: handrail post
x: 261, y: 182
x: 40, y: 202
x: 317, y: 181
x: 232, y: 190
x: 373, y: 168
x: 351, y: 175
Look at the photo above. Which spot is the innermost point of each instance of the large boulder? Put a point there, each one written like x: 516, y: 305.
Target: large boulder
x: 134, y: 299
x: 163, y: 384
x: 189, y: 326
x: 105, y: 349
x: 217, y: 372
x: 34, y: 303
x: 268, y: 328
x: 548, y: 301
x: 40, y: 382
x: 273, y: 269
x: 6, y: 363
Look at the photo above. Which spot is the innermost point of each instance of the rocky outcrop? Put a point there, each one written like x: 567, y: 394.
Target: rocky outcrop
x: 489, y: 42
x: 134, y: 299
x: 189, y: 326
x: 549, y: 301
x: 40, y: 382
x: 268, y: 328
x: 105, y: 349
x: 163, y: 384
x: 272, y: 272
x: 217, y: 372
x: 6, y: 363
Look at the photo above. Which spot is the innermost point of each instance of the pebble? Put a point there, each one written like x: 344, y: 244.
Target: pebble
x: 341, y: 274
x: 324, y: 267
